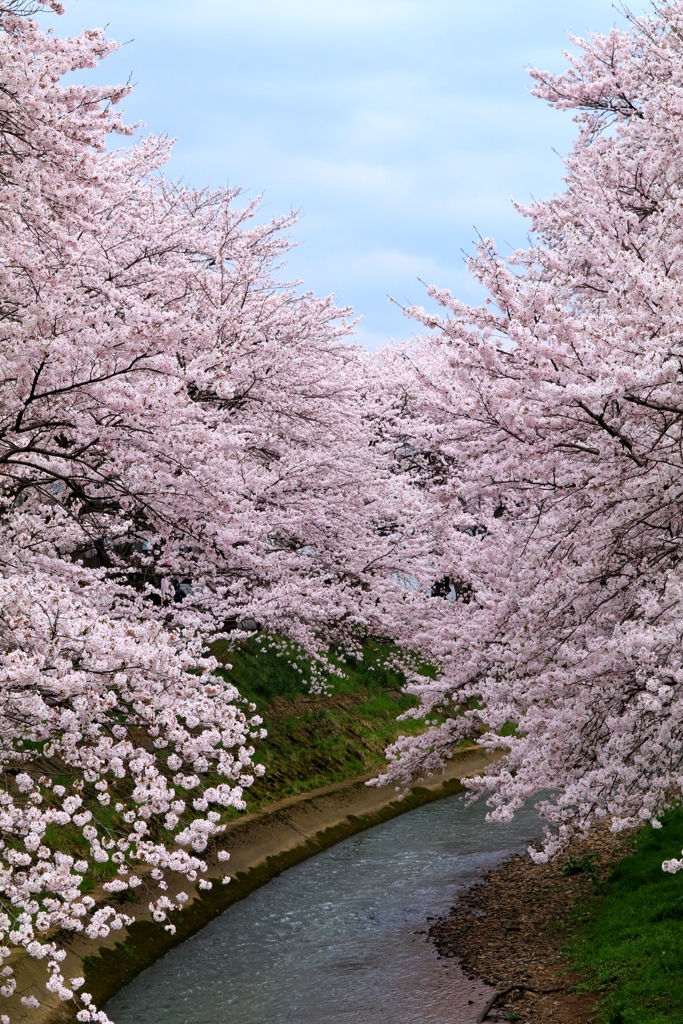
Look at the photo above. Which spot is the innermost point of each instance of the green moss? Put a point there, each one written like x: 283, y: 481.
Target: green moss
x: 630, y: 947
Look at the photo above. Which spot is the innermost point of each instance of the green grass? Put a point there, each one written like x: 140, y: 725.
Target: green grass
x: 314, y: 740
x: 630, y: 948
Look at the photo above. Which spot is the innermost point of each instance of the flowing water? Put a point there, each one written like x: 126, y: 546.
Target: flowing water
x: 340, y: 938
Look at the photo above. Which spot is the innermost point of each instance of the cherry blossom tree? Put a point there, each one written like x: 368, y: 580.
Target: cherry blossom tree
x: 546, y: 428
x: 191, y: 416
x: 185, y: 443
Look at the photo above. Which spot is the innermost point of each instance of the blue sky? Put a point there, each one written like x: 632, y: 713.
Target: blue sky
x: 398, y: 127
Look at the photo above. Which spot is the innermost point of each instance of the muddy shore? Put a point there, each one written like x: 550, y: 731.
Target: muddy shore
x: 509, y: 930
x: 261, y: 845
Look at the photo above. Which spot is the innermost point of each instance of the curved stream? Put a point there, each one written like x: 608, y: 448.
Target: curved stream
x: 340, y: 938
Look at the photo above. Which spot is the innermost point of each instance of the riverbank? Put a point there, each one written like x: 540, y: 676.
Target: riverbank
x: 593, y: 938
x: 315, y: 739
x: 512, y: 930
x: 319, y: 750
x: 262, y: 844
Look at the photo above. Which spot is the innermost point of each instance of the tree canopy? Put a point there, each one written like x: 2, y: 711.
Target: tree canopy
x: 548, y: 424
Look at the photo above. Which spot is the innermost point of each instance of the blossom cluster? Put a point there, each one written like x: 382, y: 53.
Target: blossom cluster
x: 546, y: 429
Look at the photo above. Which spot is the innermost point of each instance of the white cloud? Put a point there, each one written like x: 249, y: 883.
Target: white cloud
x: 303, y: 18
x: 396, y: 125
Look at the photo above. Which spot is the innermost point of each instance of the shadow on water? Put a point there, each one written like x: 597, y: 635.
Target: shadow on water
x: 340, y: 938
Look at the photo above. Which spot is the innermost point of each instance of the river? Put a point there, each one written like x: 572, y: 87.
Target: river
x: 340, y: 938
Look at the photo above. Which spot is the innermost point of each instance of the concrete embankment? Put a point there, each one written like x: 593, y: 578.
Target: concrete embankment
x: 261, y: 845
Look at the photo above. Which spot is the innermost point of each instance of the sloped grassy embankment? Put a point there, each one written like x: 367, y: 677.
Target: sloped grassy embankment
x: 317, y: 739
x: 313, y: 739
x: 628, y: 942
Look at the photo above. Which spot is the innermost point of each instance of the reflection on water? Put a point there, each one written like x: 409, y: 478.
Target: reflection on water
x: 340, y: 938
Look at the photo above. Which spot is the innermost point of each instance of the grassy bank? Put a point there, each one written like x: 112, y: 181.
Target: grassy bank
x: 313, y: 739
x: 628, y: 943
x: 316, y: 739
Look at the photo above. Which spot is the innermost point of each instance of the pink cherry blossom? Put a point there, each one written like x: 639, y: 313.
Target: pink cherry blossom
x: 545, y: 428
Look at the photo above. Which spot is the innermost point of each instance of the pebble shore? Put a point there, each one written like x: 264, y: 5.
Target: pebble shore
x: 510, y: 931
